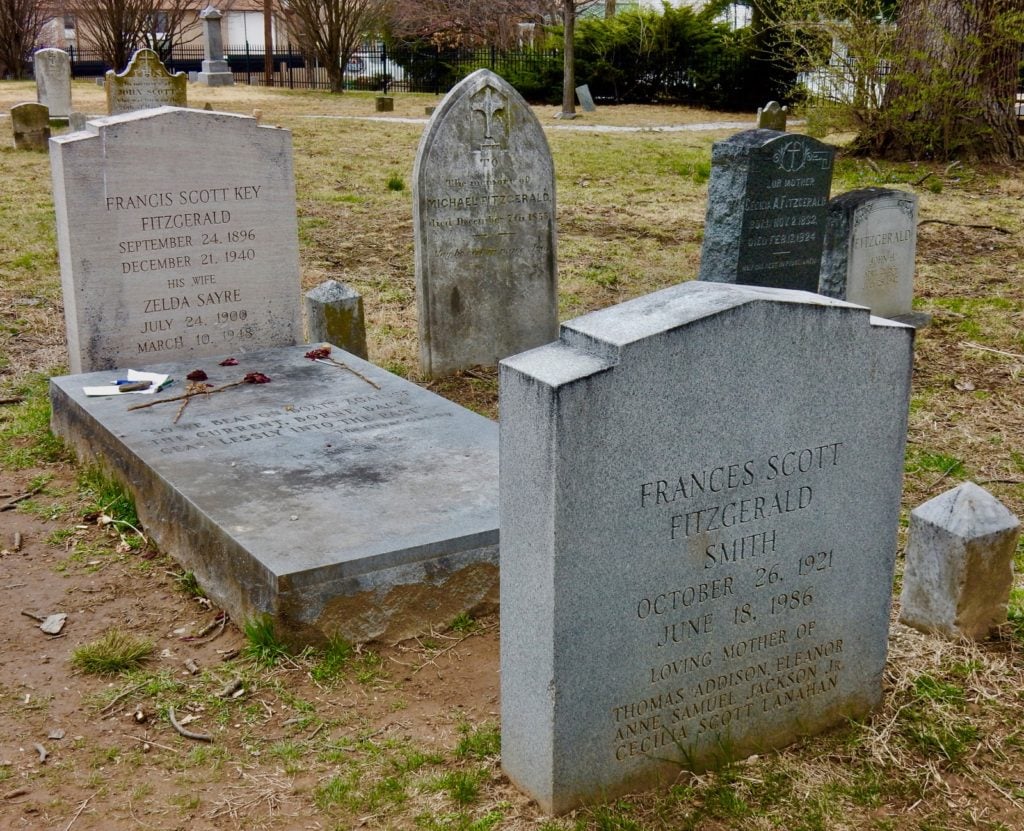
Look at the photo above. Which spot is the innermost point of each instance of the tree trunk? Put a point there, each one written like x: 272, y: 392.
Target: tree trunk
x: 569, y: 58
x: 609, y: 8
x: 952, y: 86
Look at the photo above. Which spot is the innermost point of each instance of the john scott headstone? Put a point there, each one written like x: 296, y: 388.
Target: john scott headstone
x: 698, y: 519
x: 167, y: 251
x: 767, y: 202
x: 484, y: 223
x: 145, y: 83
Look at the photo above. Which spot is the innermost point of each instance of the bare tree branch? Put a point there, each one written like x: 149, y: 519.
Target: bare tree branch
x: 330, y: 30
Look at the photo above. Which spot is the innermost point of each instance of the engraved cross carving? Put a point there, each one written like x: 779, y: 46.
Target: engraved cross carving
x: 489, y: 106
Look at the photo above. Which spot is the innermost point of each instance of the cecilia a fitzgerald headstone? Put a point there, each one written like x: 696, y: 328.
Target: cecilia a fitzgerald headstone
x: 767, y: 204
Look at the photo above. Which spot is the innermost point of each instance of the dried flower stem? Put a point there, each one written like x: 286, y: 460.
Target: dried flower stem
x: 186, y: 396
x: 346, y: 366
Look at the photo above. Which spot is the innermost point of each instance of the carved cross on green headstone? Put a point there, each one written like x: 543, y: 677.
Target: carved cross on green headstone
x: 491, y: 104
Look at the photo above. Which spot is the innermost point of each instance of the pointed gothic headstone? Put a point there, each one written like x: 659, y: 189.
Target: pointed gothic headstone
x: 484, y: 224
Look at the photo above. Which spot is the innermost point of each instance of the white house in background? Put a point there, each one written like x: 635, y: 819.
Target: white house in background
x: 737, y: 15
x: 243, y: 24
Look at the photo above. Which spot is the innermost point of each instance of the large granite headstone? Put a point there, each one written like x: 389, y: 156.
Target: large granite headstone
x: 216, y: 72
x: 177, y: 237
x: 336, y: 505
x: 767, y: 204
x: 144, y: 84
x: 484, y: 225
x: 699, y: 501
x: 52, y: 68
x: 959, y: 564
x: 31, y: 125
x: 870, y: 244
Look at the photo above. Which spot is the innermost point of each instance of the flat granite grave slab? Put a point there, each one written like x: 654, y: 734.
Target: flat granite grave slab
x: 335, y: 507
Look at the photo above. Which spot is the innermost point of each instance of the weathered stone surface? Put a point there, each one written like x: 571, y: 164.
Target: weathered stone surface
x: 484, y: 225
x: 870, y: 245
x: 384, y: 104
x: 772, y: 116
x: 145, y: 83
x: 216, y: 72
x: 699, y: 504
x: 76, y: 122
x: 52, y: 69
x: 767, y: 204
x: 338, y: 508
x: 586, y: 99
x: 334, y: 314
x: 168, y: 252
x: 31, y: 125
x: 959, y: 568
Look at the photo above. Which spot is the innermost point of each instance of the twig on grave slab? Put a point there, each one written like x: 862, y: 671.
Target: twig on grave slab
x: 188, y: 734
x: 10, y: 503
x: 997, y: 228
x: 203, y: 389
x: 342, y: 365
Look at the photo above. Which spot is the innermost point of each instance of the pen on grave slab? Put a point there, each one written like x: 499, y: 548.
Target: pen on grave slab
x: 133, y: 386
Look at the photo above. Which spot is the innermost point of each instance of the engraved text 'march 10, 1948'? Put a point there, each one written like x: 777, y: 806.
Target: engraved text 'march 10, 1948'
x: 682, y: 594
x: 168, y: 253
x: 767, y: 202
x: 484, y: 225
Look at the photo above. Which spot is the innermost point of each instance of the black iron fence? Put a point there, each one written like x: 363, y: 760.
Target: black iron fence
x: 402, y: 69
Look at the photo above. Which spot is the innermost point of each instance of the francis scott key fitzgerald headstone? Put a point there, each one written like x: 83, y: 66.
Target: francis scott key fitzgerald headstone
x: 870, y: 244
x: 484, y: 224
x: 169, y: 252
x: 767, y: 202
x: 699, y: 507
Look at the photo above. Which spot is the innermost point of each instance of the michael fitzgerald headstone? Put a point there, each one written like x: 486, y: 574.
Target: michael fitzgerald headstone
x: 145, y: 83
x: 699, y: 505
x: 31, y: 125
x: 338, y: 498
x: 767, y: 203
x: 870, y: 245
x: 52, y: 68
x: 169, y: 252
x: 484, y: 224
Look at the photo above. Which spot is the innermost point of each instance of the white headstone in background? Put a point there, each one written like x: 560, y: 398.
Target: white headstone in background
x: 52, y: 68
x: 177, y: 237
x: 700, y: 492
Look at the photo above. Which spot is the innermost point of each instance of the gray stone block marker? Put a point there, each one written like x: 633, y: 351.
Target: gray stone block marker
x: 767, y: 204
x: 586, y: 99
x: 167, y: 252
x: 31, y: 125
x: 334, y: 314
x: 216, y: 72
x: 52, y: 68
x: 959, y: 568
x: 870, y: 246
x: 335, y: 507
x: 484, y: 229
x: 699, y: 507
x: 145, y: 83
